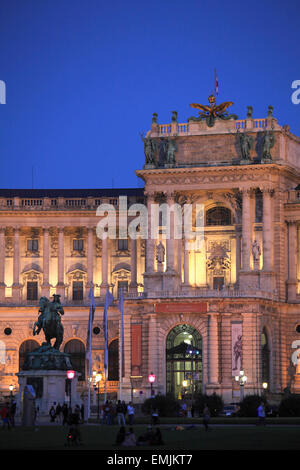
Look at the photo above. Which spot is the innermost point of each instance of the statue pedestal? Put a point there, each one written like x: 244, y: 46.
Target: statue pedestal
x: 50, y: 387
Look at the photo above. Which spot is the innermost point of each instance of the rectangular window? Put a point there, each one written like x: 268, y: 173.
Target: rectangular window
x: 218, y: 283
x: 122, y: 285
x: 33, y: 245
x: 77, y: 290
x: 123, y: 245
x: 78, y: 244
x: 32, y: 290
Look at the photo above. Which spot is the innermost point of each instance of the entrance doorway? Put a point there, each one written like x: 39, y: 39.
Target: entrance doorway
x: 184, y: 361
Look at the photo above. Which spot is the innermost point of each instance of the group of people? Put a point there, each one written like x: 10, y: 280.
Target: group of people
x: 7, y: 413
x: 128, y: 438
x: 63, y: 414
x: 110, y: 411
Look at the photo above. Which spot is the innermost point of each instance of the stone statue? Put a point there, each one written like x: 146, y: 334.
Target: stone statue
x: 50, y: 320
x: 256, y: 251
x: 246, y: 143
x: 174, y: 116
x: 268, y: 143
x: 270, y: 111
x: 171, y: 149
x: 249, y: 112
x: 160, y: 253
x: 150, y: 149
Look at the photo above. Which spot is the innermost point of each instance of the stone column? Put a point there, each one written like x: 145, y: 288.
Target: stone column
x: 46, y: 260
x: 104, y: 283
x: 60, y: 288
x: 292, y: 260
x: 267, y: 231
x: 16, y: 287
x: 2, y: 264
x: 90, y: 258
x: 149, y: 242
x: 238, y: 255
x: 246, y: 230
x: 213, y: 349
x: 186, y: 264
x: 170, y: 238
x: 133, y: 266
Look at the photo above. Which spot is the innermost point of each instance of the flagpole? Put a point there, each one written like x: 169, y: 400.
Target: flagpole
x: 89, y: 340
x: 109, y: 298
x: 121, y: 305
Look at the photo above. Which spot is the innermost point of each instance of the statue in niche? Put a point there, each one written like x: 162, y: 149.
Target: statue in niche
x: 268, y: 143
x: 160, y: 254
x: 256, y: 251
x: 171, y: 149
x: 246, y: 143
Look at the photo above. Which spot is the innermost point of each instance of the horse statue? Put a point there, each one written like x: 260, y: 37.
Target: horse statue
x: 50, y: 321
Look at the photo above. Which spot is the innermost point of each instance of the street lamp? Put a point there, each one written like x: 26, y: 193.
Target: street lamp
x: 97, y: 380
x: 265, y: 388
x: 151, y: 380
x: 70, y: 377
x: 242, y: 379
x: 11, y: 387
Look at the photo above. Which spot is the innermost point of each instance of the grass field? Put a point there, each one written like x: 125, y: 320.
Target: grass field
x: 219, y: 437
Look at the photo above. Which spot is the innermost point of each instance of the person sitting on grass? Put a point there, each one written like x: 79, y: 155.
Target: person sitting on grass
x: 120, y: 436
x: 130, y: 439
x: 145, y: 439
x: 156, y: 439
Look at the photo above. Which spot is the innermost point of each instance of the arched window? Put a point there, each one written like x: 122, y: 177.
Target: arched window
x: 113, y: 360
x: 26, y: 347
x: 218, y: 216
x: 184, y: 361
x: 265, y: 357
x: 76, y: 349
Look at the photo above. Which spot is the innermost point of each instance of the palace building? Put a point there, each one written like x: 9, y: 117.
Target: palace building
x: 195, y: 314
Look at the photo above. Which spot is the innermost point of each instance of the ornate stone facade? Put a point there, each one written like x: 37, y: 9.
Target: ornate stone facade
x: 240, y: 278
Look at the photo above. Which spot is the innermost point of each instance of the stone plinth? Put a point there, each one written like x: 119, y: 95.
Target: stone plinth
x: 50, y: 387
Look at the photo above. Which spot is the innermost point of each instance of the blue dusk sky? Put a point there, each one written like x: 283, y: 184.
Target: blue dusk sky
x: 84, y: 77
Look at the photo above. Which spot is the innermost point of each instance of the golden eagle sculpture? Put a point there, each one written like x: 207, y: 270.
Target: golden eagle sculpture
x: 212, y: 111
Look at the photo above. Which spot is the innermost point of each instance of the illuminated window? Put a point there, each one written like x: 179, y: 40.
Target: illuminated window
x: 77, y: 290
x: 32, y: 290
x: 218, y: 216
x: 76, y: 349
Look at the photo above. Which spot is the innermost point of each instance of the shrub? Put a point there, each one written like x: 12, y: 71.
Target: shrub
x: 166, y: 405
x: 249, y: 405
x: 290, y: 406
x: 214, y: 403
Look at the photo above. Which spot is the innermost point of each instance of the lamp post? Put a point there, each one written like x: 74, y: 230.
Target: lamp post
x: 151, y: 380
x: 11, y: 387
x: 265, y: 388
x: 242, y: 379
x: 70, y: 377
x: 97, y: 380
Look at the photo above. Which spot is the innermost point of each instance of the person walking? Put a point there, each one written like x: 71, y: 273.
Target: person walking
x: 5, y: 416
x: 52, y: 414
x: 58, y: 412
x: 261, y: 414
x: 120, y: 413
x: 130, y: 413
x: 206, y: 417
x: 65, y: 413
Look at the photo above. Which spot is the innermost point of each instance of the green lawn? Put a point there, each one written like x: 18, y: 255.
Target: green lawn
x: 102, y: 438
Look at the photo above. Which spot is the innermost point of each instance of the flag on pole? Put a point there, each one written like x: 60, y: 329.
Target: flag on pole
x: 121, y: 309
x: 89, y: 342
x: 91, y: 320
x: 109, y: 298
x: 216, y: 84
